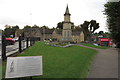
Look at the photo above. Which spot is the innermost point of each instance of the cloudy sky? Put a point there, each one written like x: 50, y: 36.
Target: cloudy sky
x: 50, y: 12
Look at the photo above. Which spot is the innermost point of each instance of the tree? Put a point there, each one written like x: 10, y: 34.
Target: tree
x: 85, y: 29
x: 35, y: 26
x: 8, y: 31
x: 26, y: 27
x: 101, y: 33
x: 112, y: 10
x: 93, y: 25
x: 60, y: 25
x: 44, y: 27
x: 89, y: 28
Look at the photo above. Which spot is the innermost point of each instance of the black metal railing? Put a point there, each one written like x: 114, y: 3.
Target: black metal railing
x: 18, y: 47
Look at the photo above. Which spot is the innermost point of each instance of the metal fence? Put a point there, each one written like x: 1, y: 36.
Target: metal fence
x: 18, y: 47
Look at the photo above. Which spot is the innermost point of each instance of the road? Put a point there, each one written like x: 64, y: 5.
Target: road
x: 13, y: 48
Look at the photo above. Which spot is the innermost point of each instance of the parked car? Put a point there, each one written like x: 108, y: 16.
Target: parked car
x: 0, y: 41
x: 15, y: 39
x: 9, y: 41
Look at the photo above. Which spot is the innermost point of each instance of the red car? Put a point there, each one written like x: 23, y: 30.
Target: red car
x: 9, y: 41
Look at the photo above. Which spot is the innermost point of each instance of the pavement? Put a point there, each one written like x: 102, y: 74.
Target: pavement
x: 105, y: 64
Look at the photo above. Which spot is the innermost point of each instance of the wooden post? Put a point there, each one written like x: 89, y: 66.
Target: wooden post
x: 31, y: 78
x: 20, y: 48
x: 33, y: 40
x: 3, y: 47
x: 26, y: 42
x: 30, y: 41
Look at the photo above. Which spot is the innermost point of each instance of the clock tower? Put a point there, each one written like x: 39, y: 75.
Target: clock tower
x: 67, y: 32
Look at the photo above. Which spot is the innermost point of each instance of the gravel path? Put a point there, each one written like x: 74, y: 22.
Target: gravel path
x: 105, y: 65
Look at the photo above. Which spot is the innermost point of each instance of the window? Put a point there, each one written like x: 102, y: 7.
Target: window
x: 68, y: 33
x: 64, y: 33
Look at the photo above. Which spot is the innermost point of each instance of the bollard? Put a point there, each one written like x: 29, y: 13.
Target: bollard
x: 4, y: 48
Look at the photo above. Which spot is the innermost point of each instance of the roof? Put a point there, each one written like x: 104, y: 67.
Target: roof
x: 58, y: 31
x: 50, y: 31
x: 46, y: 31
x: 76, y: 31
x: 67, y: 11
x: 41, y: 30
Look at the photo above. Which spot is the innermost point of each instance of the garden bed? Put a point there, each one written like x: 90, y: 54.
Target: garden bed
x: 63, y: 45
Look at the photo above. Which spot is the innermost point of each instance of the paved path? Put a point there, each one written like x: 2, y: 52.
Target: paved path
x: 105, y: 64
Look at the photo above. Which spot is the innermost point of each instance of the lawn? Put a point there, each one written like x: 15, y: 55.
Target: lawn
x: 91, y: 45
x: 71, y: 62
x: 0, y: 69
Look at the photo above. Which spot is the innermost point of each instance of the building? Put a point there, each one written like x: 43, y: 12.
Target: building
x: 67, y: 34
x: 67, y: 31
x: 39, y: 33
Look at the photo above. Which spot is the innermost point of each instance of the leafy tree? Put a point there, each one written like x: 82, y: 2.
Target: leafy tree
x: 53, y: 28
x: 8, y: 31
x: 60, y: 25
x: 26, y: 27
x: 35, y: 26
x: 101, y: 33
x: 112, y: 10
x: 93, y: 25
x: 85, y: 29
x: 89, y: 28
x: 44, y: 27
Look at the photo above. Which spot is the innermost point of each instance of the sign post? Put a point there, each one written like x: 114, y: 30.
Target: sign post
x: 18, y: 67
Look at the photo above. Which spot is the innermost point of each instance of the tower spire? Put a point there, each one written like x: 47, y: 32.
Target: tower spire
x: 67, y: 11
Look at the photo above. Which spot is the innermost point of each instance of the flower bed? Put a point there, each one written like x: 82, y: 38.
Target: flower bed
x: 63, y: 45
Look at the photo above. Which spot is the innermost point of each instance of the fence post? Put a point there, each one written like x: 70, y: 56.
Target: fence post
x: 33, y: 40
x: 20, y: 47
x: 3, y: 47
x: 26, y: 42
x: 30, y: 41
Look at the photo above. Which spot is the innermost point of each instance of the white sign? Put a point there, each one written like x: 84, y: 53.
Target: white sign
x: 113, y: 0
x: 24, y: 66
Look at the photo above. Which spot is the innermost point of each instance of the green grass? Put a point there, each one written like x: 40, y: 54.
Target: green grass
x: 0, y: 69
x: 72, y: 62
x: 91, y: 45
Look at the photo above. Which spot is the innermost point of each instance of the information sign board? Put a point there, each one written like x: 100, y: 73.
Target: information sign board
x: 24, y: 66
